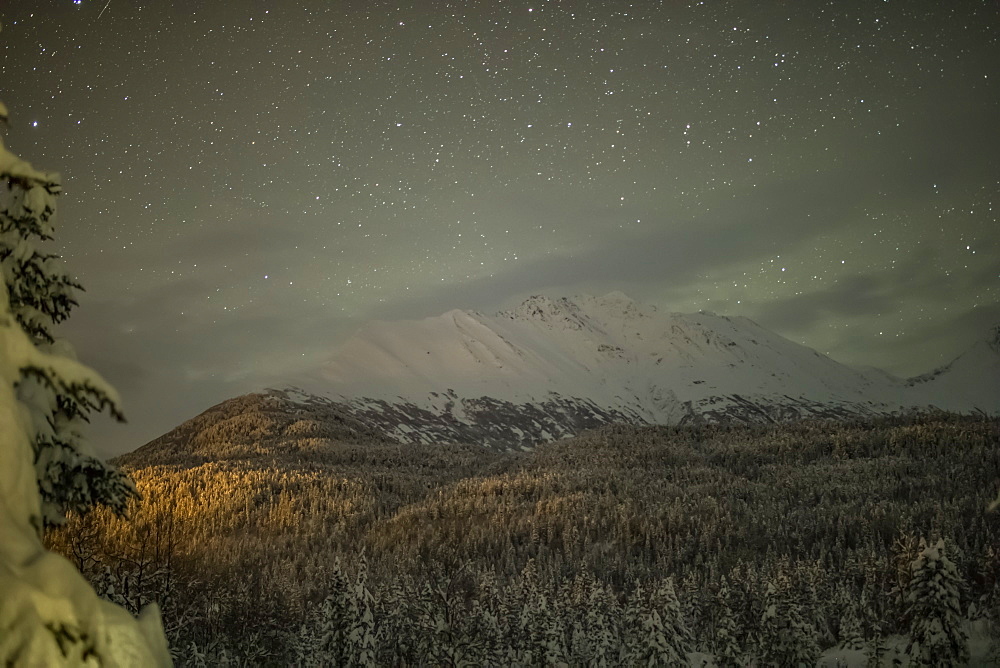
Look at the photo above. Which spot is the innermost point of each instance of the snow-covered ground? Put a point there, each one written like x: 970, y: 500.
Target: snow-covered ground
x: 983, y: 651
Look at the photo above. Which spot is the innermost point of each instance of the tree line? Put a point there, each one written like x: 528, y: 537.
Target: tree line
x: 725, y: 540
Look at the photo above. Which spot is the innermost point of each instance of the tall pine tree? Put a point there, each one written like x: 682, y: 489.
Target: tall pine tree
x: 49, y: 615
x: 41, y: 295
x: 725, y: 644
x: 851, y: 636
x: 324, y: 638
x: 937, y: 637
x: 786, y: 638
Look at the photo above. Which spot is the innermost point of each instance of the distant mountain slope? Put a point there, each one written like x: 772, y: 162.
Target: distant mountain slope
x: 970, y: 382
x: 253, y: 426
x: 550, y: 368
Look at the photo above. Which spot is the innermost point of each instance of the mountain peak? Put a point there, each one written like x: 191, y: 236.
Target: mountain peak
x: 617, y: 298
x: 619, y: 305
x: 534, y: 306
x: 540, y: 308
x: 579, y: 312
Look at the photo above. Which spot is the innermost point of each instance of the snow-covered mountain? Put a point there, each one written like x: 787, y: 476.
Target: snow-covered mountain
x: 970, y: 382
x: 551, y: 368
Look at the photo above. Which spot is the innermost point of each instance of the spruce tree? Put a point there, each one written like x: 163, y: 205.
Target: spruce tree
x: 489, y: 620
x: 485, y: 633
x: 552, y: 636
x: 41, y: 295
x: 601, y: 638
x: 877, y: 648
x: 397, y: 635
x: 671, y: 612
x: 937, y: 637
x: 632, y: 640
x: 726, y: 644
x: 323, y: 640
x: 361, y: 637
x: 49, y: 615
x: 786, y: 638
x: 657, y: 649
x: 850, y: 629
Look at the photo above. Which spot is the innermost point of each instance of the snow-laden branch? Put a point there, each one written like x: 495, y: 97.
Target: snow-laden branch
x: 21, y: 171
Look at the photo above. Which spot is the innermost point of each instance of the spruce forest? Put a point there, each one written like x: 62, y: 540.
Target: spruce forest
x: 274, y: 537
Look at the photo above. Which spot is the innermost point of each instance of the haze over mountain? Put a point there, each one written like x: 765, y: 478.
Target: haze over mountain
x: 552, y: 367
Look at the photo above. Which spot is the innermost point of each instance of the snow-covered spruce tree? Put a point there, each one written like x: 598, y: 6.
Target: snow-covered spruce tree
x: 602, y: 639
x: 361, y: 636
x: 656, y: 633
x: 937, y: 637
x: 41, y: 295
x: 553, y: 635
x: 725, y: 645
x: 323, y: 639
x: 877, y: 648
x: 851, y: 636
x: 541, y: 632
x: 657, y: 649
x: 786, y: 639
x: 671, y: 611
x: 632, y: 638
x: 484, y: 628
x: 49, y: 615
x: 398, y: 637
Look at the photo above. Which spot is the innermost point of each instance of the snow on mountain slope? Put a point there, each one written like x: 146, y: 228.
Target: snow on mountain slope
x: 970, y: 382
x: 549, y: 368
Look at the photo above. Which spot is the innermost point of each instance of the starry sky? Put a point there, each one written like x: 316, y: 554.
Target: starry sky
x: 247, y: 182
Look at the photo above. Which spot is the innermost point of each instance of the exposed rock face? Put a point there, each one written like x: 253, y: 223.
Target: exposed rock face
x: 487, y: 421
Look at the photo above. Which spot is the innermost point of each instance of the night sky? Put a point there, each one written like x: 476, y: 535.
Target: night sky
x: 247, y: 182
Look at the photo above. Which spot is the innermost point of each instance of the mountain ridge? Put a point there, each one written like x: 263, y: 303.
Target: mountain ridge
x: 551, y: 368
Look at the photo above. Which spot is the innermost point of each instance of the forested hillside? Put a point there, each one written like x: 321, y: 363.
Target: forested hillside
x: 281, y: 539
